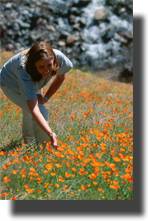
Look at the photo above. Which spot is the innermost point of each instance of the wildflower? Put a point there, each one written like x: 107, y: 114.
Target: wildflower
x: 67, y: 175
x: 116, y: 159
x: 39, y: 180
x: 100, y: 190
x: 103, y: 146
x: 58, y: 165
x: 82, y: 172
x: 39, y: 191
x: 6, y: 179
x: 115, y: 187
x: 49, y: 166
x: 32, y: 170
x: 53, y: 174
x: 95, y: 183
x: 57, y: 185
x: 127, y: 177
x: 97, y: 164
x: 23, y: 173
x: 4, y: 194
x: 14, y: 198
x: 73, y: 169
x: 72, y: 116
x: 82, y: 187
x: 61, y: 179
x: 14, y: 172
x: 92, y: 176
x: 48, y: 147
x: 28, y: 189
x: 45, y: 172
x: 46, y: 185
x: 112, y: 166
x: 58, y: 154
x: 2, y: 153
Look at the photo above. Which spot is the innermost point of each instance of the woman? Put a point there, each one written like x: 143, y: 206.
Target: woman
x: 23, y: 75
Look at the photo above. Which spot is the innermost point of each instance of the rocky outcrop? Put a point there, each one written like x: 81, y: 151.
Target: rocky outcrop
x: 95, y: 34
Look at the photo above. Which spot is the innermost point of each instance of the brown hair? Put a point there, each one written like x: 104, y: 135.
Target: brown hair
x: 38, y: 51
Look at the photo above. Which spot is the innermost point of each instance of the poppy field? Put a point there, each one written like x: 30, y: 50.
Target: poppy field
x: 93, y: 119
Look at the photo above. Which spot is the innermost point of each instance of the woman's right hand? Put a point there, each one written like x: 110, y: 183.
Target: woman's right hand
x: 54, y: 141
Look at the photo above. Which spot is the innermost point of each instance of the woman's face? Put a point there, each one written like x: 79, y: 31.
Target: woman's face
x: 44, y: 66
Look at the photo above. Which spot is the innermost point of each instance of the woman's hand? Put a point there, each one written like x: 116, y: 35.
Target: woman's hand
x: 54, y: 141
x: 41, y: 99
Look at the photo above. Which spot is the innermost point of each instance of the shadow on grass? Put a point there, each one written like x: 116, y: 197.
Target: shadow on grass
x: 12, y: 145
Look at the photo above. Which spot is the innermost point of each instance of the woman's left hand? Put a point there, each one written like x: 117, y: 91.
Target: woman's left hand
x: 41, y: 99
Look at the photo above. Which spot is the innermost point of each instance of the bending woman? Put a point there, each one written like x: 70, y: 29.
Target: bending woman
x: 21, y: 79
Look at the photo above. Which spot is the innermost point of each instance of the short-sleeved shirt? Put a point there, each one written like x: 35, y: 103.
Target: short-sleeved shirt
x: 14, y: 75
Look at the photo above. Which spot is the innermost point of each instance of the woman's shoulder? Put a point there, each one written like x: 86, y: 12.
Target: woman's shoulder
x: 23, y: 56
x: 17, y: 58
x: 58, y: 53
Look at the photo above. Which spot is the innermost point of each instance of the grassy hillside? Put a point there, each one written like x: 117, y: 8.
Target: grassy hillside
x: 93, y: 119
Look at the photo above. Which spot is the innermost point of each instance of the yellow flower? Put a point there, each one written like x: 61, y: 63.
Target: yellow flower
x: 116, y: 159
x: 46, y: 185
x: 83, y: 187
x: 73, y: 169
x: 53, y: 174
x: 61, y: 179
x: 6, y: 179
x: 95, y: 183
x: 49, y: 166
x: 58, y: 165
x: 92, y: 176
x: 100, y: 190
x: 14, y: 172
x: 28, y: 189
x: 58, y: 154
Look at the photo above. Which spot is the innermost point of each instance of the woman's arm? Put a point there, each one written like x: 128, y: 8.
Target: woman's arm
x: 57, y: 82
x: 34, y: 108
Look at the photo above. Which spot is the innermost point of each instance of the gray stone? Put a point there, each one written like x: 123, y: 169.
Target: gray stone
x: 71, y: 39
x: 61, y: 43
x: 100, y: 13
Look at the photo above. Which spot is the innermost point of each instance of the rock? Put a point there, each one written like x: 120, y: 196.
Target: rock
x: 77, y: 26
x: 51, y: 28
x: 91, y: 35
x: 71, y: 39
x: 74, y: 11
x: 81, y: 3
x: 8, y: 5
x: 120, y: 38
x: 61, y: 43
x: 72, y: 19
x: 34, y: 35
x: 22, y: 24
x: 9, y: 47
x: 100, y: 14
